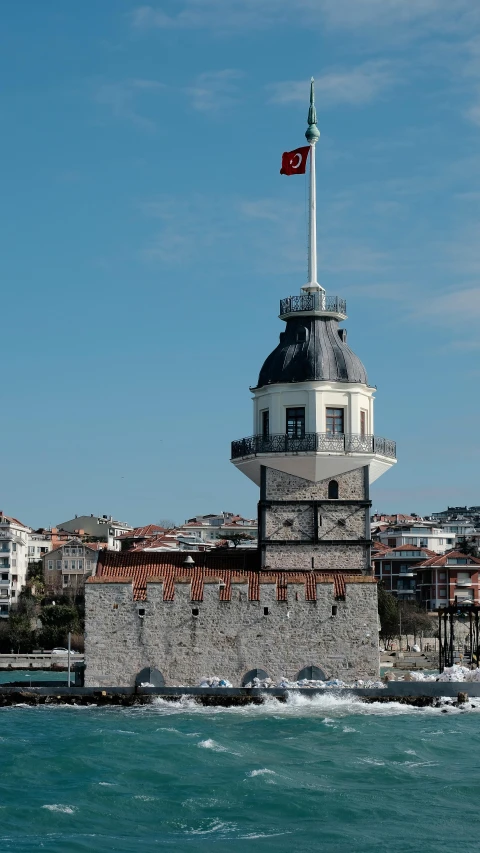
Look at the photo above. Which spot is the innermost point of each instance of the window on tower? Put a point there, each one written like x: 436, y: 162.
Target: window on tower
x: 266, y: 423
x: 334, y: 421
x: 296, y: 422
x: 363, y: 422
x: 333, y: 490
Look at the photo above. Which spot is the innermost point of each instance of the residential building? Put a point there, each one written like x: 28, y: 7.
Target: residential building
x: 213, y: 528
x: 422, y: 534
x: 396, y: 568
x: 139, y: 536
x: 14, y: 537
x: 67, y: 567
x: 448, y: 579
x: 93, y: 528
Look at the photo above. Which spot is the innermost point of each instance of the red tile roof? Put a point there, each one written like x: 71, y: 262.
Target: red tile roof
x: 142, y: 532
x: 441, y: 559
x: 239, y: 566
x: 391, y: 552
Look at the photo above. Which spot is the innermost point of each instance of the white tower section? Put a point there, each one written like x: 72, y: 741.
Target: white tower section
x: 313, y: 409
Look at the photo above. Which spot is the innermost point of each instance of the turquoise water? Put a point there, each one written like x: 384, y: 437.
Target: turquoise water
x: 313, y: 775
x: 33, y: 676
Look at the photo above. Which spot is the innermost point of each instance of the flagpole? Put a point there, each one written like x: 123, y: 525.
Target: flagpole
x: 312, y: 135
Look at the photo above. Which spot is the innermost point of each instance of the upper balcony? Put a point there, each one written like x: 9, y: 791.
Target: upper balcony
x: 313, y: 303
x: 313, y: 442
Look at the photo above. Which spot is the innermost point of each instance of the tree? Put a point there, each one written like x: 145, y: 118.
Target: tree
x: 468, y: 546
x: 167, y: 523
x: 57, y: 620
x: 388, y: 614
x: 236, y: 539
x: 20, y: 634
x: 415, y: 621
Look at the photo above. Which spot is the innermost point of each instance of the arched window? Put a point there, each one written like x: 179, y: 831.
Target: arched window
x: 151, y: 676
x: 254, y: 673
x: 311, y: 673
x: 301, y: 336
x: 333, y: 490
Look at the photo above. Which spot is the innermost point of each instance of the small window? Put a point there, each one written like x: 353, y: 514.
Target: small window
x: 333, y: 490
x: 266, y: 423
x: 334, y: 609
x: 265, y: 611
x: 50, y: 565
x: 301, y: 335
x: 141, y: 611
x: 194, y: 611
x: 334, y: 421
x: 296, y: 422
x: 115, y: 606
x: 5, y: 576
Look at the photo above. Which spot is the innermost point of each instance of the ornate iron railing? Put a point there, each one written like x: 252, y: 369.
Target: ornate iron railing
x: 313, y: 442
x: 313, y: 302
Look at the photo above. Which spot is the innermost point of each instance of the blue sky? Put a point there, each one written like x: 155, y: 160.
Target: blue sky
x: 147, y: 237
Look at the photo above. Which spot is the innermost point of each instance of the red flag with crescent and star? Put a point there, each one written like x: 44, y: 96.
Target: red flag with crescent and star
x: 295, y: 162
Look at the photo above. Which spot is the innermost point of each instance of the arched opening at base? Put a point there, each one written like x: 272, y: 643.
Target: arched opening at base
x: 254, y: 673
x: 311, y: 673
x: 150, y: 676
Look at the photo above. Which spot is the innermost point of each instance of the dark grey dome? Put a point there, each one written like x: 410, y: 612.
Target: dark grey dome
x: 312, y: 348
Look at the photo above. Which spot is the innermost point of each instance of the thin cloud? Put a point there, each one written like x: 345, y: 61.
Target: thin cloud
x: 121, y: 99
x: 414, y: 16
x: 214, y: 90
x: 356, y: 86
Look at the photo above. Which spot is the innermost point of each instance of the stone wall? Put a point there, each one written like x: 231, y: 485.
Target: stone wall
x: 228, y: 638
x: 325, y: 557
x: 301, y: 528
x: 280, y: 486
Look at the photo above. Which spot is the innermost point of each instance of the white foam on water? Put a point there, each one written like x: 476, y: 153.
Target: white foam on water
x: 218, y: 826
x: 58, y: 807
x: 144, y: 797
x: 263, y: 772
x: 212, y: 744
x: 108, y: 784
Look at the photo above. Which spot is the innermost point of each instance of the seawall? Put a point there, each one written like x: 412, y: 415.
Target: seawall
x: 411, y: 693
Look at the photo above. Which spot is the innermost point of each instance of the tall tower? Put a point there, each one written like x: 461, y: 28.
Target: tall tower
x: 313, y: 451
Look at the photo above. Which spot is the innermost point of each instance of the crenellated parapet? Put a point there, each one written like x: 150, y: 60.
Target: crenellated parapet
x: 282, y: 586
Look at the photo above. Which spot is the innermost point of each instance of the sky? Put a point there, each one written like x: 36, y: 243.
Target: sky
x: 147, y: 236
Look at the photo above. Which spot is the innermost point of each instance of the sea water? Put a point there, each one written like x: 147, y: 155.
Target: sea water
x: 320, y: 774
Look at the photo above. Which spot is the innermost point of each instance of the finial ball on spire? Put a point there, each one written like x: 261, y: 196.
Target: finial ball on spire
x: 312, y: 133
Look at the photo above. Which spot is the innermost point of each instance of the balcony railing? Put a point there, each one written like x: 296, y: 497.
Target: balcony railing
x: 313, y: 302
x: 313, y: 442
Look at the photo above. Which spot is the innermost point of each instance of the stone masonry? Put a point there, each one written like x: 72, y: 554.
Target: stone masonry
x: 302, y: 528
x: 187, y: 639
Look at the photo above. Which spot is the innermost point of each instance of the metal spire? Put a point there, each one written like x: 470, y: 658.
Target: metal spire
x: 312, y: 135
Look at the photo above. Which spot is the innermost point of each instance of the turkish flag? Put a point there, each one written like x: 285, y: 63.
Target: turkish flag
x: 295, y: 162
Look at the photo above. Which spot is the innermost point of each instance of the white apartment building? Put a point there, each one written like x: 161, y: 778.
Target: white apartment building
x: 421, y: 535
x: 103, y: 528
x: 14, y: 537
